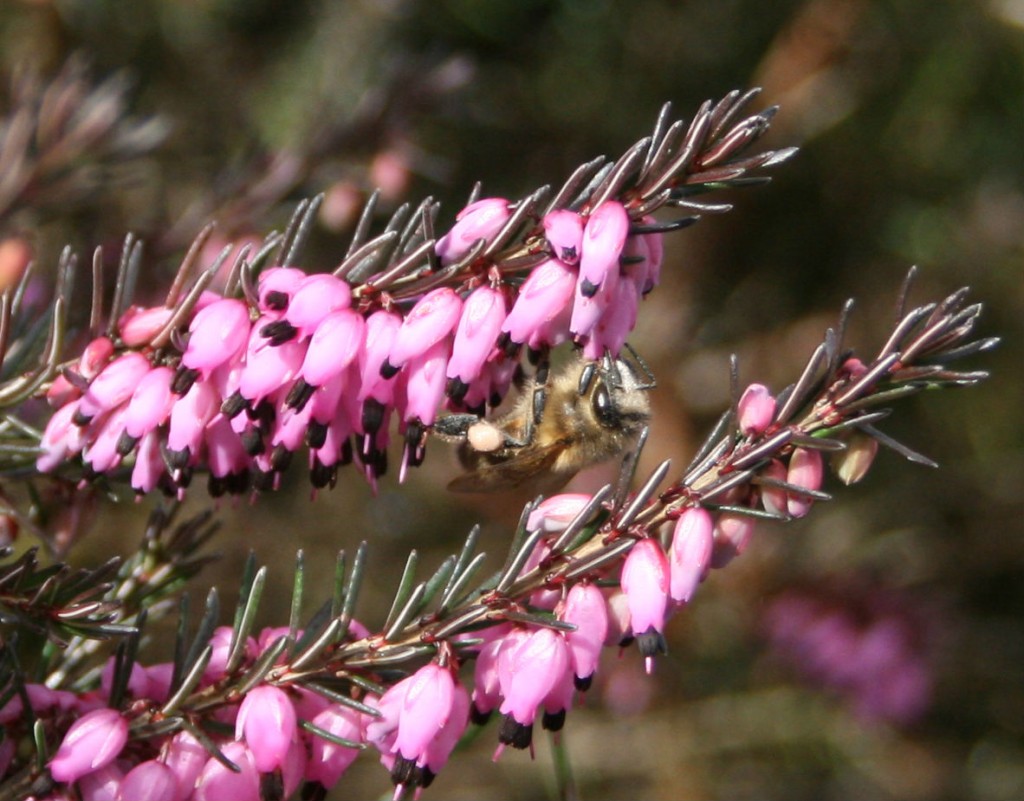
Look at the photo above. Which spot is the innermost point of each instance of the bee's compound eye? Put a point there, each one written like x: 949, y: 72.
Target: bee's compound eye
x: 601, y: 402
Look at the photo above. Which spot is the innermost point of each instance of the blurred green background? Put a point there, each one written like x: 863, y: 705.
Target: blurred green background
x: 910, y: 119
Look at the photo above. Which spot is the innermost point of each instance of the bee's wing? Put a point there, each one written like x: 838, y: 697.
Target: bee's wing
x: 525, y: 466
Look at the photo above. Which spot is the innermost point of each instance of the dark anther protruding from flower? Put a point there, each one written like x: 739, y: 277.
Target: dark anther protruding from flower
x: 271, y: 785
x: 233, y: 404
x: 514, y: 733
x: 231, y: 484
x: 651, y: 642
x: 262, y: 414
x: 178, y: 460
x: 414, y: 443
x: 377, y: 460
x: 478, y: 717
x: 252, y: 441
x: 276, y: 301
x: 457, y: 389
x: 346, y: 453
x: 507, y: 346
x: 406, y: 773
x: 280, y: 458
x: 279, y: 332
x: 299, y: 395
x: 216, y: 486
x: 240, y: 482
x: 126, y: 443
x: 553, y: 721
x: 316, y: 434
x: 184, y: 378
x: 263, y: 480
x: 373, y: 415
x: 626, y: 640
x: 80, y: 420
x: 183, y: 478
x: 388, y: 370
x: 587, y: 289
x: 583, y: 684
x: 321, y: 475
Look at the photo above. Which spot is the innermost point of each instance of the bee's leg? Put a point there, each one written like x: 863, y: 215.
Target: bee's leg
x: 453, y: 427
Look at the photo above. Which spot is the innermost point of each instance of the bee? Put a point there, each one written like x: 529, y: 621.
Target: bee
x: 585, y: 414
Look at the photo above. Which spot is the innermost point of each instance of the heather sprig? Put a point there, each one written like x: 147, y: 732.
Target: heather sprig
x: 300, y: 701
x: 234, y: 383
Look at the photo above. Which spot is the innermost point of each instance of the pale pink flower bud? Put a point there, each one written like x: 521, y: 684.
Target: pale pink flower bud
x: 620, y: 632
x: 482, y: 316
x: 138, y: 684
x: 805, y: 470
x: 316, y: 297
x: 645, y: 581
x: 92, y: 742
x: 151, y: 402
x: 95, y: 357
x: 381, y: 329
x: 266, y: 719
x: 113, y: 386
x: 585, y: 608
x: 220, y: 643
x: 486, y: 687
x: 564, y: 231
x: 479, y: 220
x: 138, y: 325
x: 775, y: 499
x: 185, y: 756
x: 432, y: 319
x: 149, y: 781
x: 853, y: 463
x: 732, y: 536
x: 276, y: 285
x: 603, y: 238
x: 218, y: 783
x: 544, y: 297
x: 61, y: 392
x: 218, y: 334
x: 333, y: 346
x: 555, y: 513
x: 158, y: 680
x: 756, y: 410
x: 328, y: 761
x: 101, y: 785
x: 533, y: 669
x: 426, y: 707
x: 541, y: 598
x: 690, y: 553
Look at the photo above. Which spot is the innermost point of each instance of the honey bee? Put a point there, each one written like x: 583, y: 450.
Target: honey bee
x: 587, y: 413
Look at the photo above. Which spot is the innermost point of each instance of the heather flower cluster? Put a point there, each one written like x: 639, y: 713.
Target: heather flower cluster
x: 235, y: 386
x: 233, y: 383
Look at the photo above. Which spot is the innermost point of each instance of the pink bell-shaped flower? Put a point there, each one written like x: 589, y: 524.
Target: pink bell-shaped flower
x: 137, y: 326
x: 564, y: 231
x: 381, y: 329
x: 266, y: 720
x: 585, y: 608
x: 775, y: 499
x: 479, y: 220
x: 113, y: 386
x: 328, y: 760
x: 150, y: 404
x: 149, y: 781
x: 645, y: 581
x: 276, y: 285
x: 217, y: 782
x: 482, y: 316
x: 149, y: 463
x: 188, y: 420
x: 185, y: 756
x: 61, y: 439
x: 554, y: 514
x: 615, y: 324
x: 93, y: 741
x: 690, y: 553
x: 316, y: 297
x: 441, y: 747
x: 432, y: 319
x: 426, y: 707
x: 333, y: 346
x: 604, y: 236
x: 527, y: 675
x: 95, y: 357
x: 732, y: 536
x: 218, y: 334
x: 545, y: 294
x: 100, y: 785
x: 588, y: 309
x: 424, y: 387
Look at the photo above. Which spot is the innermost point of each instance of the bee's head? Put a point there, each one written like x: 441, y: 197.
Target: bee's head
x: 617, y: 396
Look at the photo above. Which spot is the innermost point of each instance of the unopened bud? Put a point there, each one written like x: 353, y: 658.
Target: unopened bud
x: 852, y: 464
